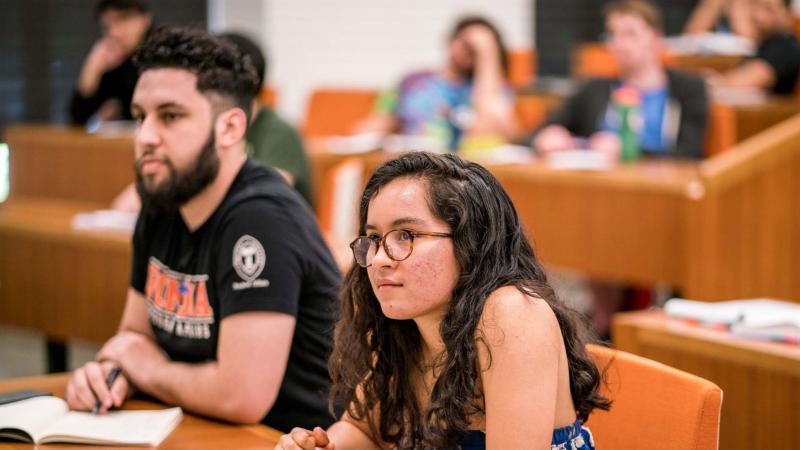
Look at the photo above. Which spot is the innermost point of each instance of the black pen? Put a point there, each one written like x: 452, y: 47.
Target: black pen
x: 112, y: 376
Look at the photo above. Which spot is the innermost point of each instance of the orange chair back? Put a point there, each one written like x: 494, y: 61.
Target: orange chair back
x: 594, y: 60
x: 268, y: 96
x: 655, y: 406
x: 531, y: 111
x: 521, y: 67
x: 332, y: 112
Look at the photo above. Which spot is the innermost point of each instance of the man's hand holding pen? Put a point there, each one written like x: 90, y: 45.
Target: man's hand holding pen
x: 97, y: 387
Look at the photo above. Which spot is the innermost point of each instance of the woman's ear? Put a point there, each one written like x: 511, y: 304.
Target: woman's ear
x: 230, y: 127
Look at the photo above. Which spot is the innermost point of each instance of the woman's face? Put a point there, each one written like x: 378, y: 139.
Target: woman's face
x: 421, y: 285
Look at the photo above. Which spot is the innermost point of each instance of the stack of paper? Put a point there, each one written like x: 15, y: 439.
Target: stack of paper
x: 757, y: 318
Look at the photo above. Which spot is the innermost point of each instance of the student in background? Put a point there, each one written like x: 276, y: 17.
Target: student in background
x: 450, y: 335
x: 673, y: 107
x: 721, y: 16
x: 776, y: 64
x: 108, y: 76
x: 468, y: 97
x: 232, y: 297
x: 272, y: 141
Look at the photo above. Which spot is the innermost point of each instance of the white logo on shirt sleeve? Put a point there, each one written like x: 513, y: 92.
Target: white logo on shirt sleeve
x: 248, y: 262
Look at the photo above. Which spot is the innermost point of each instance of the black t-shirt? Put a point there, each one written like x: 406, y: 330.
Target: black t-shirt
x: 118, y: 83
x: 260, y: 250
x: 782, y: 53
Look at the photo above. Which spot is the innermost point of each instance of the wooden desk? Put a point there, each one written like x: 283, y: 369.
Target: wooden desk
x: 724, y: 228
x: 193, y: 433
x: 760, y: 381
x: 728, y: 227
x: 67, y: 163
x: 65, y: 283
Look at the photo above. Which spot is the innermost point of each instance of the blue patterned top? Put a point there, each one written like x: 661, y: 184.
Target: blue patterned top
x: 572, y: 437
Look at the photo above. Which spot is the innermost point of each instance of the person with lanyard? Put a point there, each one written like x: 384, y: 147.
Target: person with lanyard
x: 450, y: 335
x: 469, y: 97
x: 232, y: 296
x: 108, y: 76
x: 671, y: 116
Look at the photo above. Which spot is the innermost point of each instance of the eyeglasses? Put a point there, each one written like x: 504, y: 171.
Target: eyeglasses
x: 397, y: 244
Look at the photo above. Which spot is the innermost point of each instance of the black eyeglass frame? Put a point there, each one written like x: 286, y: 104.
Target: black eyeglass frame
x: 382, y: 242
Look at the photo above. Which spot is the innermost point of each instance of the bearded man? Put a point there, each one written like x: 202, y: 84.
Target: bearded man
x: 232, y: 295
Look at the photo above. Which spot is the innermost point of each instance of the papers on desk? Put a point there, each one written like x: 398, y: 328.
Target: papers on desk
x: 354, y: 144
x: 709, y: 44
x: 764, y: 319
x: 738, y: 96
x: 399, y: 143
x: 503, y: 154
x: 111, y: 128
x: 104, y: 220
x: 578, y: 160
x: 395, y: 143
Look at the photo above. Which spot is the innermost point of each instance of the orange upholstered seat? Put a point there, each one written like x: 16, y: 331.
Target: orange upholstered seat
x: 655, y: 407
x: 333, y: 112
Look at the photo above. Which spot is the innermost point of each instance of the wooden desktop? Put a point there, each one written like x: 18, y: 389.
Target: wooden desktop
x: 194, y: 432
x: 760, y: 381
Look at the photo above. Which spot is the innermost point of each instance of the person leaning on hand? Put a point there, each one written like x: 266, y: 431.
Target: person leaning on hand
x: 107, y: 78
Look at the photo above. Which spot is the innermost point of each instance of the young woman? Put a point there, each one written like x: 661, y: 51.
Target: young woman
x: 450, y: 336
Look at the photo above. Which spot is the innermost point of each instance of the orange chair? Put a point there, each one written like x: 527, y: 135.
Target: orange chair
x: 655, y: 407
x: 594, y: 60
x: 531, y: 111
x: 521, y: 67
x: 333, y: 112
x: 268, y: 96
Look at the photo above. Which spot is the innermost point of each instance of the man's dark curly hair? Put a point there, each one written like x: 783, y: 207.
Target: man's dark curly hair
x: 220, y: 68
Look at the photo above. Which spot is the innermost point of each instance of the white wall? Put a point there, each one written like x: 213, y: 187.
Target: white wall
x: 357, y: 43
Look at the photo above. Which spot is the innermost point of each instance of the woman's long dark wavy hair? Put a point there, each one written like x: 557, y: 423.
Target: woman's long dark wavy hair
x: 374, y: 356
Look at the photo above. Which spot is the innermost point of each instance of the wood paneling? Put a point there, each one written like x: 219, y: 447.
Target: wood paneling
x: 760, y: 381
x: 744, y: 234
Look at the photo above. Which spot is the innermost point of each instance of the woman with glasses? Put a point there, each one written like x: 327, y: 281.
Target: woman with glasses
x: 450, y: 336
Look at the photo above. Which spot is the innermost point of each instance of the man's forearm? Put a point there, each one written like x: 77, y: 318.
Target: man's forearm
x: 201, y: 388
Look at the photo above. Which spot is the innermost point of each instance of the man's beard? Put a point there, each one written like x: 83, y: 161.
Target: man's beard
x: 181, y: 187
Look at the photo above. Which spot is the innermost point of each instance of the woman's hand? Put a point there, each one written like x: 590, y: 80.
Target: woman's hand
x: 302, y: 439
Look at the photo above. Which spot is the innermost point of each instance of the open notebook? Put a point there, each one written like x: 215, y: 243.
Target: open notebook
x: 48, y: 419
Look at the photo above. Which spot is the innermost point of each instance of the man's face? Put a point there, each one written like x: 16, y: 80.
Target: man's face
x: 631, y: 40
x: 174, y: 145
x: 125, y: 27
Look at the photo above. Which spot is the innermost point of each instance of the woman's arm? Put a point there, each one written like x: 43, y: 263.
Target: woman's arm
x: 519, y: 360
